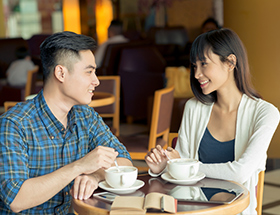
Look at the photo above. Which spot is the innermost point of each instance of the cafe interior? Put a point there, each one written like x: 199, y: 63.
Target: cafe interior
x: 137, y: 73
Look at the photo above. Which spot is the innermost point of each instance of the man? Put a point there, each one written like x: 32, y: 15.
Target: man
x: 18, y: 70
x: 209, y: 24
x: 55, y: 141
x: 115, y: 31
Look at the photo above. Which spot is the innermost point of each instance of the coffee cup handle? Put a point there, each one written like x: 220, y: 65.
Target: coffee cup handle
x: 123, y: 181
x: 192, y: 171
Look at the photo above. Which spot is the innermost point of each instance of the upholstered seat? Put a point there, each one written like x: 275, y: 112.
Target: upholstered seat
x: 112, y: 54
x: 142, y: 73
x: 7, y: 52
x: 172, y: 43
x: 11, y: 93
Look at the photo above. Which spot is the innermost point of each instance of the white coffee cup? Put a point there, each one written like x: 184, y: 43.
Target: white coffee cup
x: 183, y: 168
x: 122, y: 178
x: 186, y: 193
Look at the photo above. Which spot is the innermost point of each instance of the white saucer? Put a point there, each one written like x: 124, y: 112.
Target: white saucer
x: 193, y: 180
x: 138, y: 184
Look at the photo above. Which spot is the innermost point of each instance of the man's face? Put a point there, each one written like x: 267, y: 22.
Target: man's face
x: 80, y: 83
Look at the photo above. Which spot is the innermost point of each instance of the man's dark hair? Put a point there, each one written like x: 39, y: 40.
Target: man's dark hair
x: 63, y: 48
x: 22, y: 52
x: 116, y: 27
x: 211, y: 20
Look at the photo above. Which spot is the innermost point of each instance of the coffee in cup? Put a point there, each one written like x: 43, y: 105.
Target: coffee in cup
x: 183, y: 168
x: 121, y: 177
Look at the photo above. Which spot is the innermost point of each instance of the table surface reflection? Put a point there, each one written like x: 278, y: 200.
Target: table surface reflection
x: 96, y: 206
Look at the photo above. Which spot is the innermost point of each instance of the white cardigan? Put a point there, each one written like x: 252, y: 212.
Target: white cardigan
x: 256, y: 123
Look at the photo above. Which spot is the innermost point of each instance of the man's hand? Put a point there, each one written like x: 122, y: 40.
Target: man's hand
x: 101, y: 157
x: 84, y: 186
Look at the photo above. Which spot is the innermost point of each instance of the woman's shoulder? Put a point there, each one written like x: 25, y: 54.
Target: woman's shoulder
x: 258, y: 103
x: 259, y: 106
x: 194, y: 103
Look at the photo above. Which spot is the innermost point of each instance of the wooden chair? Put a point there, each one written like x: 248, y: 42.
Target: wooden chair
x: 138, y: 146
x: 9, y: 104
x: 172, y: 138
x: 260, y: 192
x: 110, y: 84
x: 30, y: 86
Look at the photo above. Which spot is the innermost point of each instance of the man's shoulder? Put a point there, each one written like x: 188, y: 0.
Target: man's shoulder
x: 83, y: 111
x: 21, y: 111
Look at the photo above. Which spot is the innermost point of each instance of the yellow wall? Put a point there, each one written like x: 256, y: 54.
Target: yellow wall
x: 190, y: 14
x: 257, y: 24
x: 2, y: 23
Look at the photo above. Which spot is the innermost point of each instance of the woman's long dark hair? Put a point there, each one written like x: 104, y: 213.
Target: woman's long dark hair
x: 222, y: 42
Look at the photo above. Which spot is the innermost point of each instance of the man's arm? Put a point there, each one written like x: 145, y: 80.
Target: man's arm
x: 85, y: 185
x: 35, y: 191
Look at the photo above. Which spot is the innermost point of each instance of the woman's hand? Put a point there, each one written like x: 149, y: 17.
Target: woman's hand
x: 172, y: 153
x: 157, y: 158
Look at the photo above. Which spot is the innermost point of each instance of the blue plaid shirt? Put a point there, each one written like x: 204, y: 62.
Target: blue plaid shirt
x: 34, y: 143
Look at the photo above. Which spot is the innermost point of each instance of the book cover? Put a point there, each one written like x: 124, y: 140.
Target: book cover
x: 123, y: 205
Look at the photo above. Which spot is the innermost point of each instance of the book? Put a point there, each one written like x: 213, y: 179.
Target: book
x: 136, y: 205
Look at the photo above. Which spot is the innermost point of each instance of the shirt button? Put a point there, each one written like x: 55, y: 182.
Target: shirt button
x: 66, y: 193
x: 52, y: 137
x: 62, y: 129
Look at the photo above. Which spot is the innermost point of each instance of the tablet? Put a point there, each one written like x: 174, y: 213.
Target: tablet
x: 205, y: 194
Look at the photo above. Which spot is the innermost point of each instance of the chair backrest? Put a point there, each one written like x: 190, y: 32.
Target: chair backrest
x: 110, y: 84
x: 260, y: 192
x: 34, y: 43
x: 30, y: 86
x: 161, y: 115
x: 9, y: 104
x: 172, y: 139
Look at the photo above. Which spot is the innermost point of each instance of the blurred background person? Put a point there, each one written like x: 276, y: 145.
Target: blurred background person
x: 209, y: 25
x: 115, y: 35
x: 17, y: 71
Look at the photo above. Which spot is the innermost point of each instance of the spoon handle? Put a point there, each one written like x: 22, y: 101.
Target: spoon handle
x: 117, y: 166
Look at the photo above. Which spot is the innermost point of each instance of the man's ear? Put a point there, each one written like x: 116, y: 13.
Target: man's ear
x: 59, y: 73
x: 232, y: 61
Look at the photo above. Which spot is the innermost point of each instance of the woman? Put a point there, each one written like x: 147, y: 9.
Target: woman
x: 227, y: 126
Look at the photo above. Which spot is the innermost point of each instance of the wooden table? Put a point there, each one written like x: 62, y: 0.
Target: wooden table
x: 102, y: 99
x: 95, y: 206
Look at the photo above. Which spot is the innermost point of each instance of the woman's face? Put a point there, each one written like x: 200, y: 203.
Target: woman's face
x: 211, y: 73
